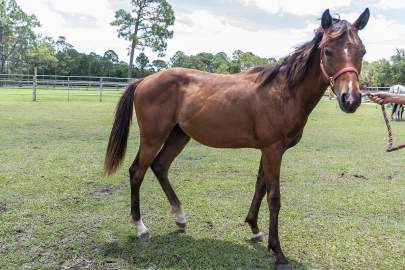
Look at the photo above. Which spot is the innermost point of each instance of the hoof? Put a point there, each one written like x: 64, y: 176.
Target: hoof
x: 257, y: 238
x: 181, y: 226
x: 285, y: 266
x: 145, y: 236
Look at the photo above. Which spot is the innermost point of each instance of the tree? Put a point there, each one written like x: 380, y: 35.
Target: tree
x: 221, y: 63
x: 112, y: 56
x: 147, y: 25
x: 203, y: 61
x: 159, y: 65
x: 383, y: 73
x: 42, y: 55
x: 398, y: 67
x: 180, y: 59
x: 62, y: 45
x: 142, y: 61
x: 16, y: 32
x: 236, y: 63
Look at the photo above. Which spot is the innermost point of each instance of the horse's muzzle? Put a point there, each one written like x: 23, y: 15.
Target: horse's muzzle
x: 349, y: 102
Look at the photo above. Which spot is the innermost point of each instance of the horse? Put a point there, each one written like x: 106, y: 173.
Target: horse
x: 265, y: 108
x: 397, y: 109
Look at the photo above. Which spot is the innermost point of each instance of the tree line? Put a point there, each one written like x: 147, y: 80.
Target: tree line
x: 21, y: 49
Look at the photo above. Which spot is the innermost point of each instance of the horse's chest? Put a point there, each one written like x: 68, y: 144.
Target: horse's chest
x: 294, y: 138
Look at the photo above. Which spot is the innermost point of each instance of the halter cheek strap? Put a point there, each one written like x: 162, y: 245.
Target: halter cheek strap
x: 331, y: 79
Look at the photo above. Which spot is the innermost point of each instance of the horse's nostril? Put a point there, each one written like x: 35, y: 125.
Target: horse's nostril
x: 343, y: 98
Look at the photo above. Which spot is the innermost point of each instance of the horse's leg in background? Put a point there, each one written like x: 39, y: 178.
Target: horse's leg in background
x: 252, y: 216
x: 271, y: 158
x: 396, y: 116
x: 394, y: 110
x: 174, y: 144
x: 401, y: 113
x: 397, y: 112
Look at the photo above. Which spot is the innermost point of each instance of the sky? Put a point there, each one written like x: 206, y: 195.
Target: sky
x: 269, y: 28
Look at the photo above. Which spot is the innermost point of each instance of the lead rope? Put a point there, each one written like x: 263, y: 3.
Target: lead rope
x: 390, y: 147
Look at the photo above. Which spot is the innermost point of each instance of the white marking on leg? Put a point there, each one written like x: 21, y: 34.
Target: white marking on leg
x: 141, y: 228
x: 179, y: 214
x: 257, y: 235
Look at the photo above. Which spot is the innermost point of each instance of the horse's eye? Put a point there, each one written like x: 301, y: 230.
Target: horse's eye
x: 363, y: 52
x: 328, y: 52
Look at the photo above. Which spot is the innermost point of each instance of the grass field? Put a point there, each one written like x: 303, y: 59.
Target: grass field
x: 343, y: 197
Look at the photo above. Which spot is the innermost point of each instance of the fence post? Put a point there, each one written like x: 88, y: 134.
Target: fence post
x: 101, y: 89
x: 68, y: 88
x: 34, y: 85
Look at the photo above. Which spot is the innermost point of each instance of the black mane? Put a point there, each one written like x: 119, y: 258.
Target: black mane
x: 298, y: 63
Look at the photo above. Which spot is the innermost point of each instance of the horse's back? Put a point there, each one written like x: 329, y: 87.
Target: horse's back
x: 183, y: 84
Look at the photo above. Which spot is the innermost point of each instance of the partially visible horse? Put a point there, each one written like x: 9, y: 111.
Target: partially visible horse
x: 397, y: 109
x: 264, y: 108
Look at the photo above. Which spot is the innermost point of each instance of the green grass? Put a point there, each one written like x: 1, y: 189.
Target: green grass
x: 343, y: 197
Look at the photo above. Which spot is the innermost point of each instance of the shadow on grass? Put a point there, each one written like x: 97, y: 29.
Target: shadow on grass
x: 181, y: 251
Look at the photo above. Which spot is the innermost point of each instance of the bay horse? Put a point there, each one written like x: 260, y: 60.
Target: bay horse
x: 265, y: 108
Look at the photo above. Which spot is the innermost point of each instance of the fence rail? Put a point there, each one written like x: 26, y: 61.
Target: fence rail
x: 94, y: 86
x: 80, y: 85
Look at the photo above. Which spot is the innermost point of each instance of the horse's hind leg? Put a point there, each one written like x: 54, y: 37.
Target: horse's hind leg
x: 143, y: 160
x: 174, y: 144
x: 252, y: 216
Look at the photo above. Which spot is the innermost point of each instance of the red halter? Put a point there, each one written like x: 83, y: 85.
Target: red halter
x: 331, y: 79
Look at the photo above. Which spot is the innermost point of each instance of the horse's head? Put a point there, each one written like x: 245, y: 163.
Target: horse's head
x: 342, y: 53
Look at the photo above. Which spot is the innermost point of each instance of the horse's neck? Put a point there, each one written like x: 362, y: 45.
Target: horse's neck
x: 311, y: 89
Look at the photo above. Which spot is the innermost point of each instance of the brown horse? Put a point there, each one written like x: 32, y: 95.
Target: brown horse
x: 264, y: 108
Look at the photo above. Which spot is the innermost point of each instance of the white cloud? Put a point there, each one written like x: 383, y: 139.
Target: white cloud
x: 303, y: 7
x: 391, y: 4
x: 207, y: 32
x: 97, y: 39
x: 382, y: 36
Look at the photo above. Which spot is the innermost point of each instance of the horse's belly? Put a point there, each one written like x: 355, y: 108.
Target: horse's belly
x: 219, y: 136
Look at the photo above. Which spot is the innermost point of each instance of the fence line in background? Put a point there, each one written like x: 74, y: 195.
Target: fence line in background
x: 66, y: 83
x: 90, y: 84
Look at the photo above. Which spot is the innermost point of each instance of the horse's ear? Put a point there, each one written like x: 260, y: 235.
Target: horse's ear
x: 362, y: 21
x: 326, y: 21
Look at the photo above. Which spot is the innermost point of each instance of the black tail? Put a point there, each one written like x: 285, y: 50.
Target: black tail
x: 117, y: 145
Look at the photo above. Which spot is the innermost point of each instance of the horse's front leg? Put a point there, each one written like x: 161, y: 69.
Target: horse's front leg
x: 252, y: 216
x: 271, y: 159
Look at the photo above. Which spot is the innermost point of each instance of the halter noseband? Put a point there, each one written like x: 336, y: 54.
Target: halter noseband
x: 331, y: 79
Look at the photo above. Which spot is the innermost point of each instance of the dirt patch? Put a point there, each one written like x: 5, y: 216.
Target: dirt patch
x: 101, y: 193
x: 228, y: 171
x: 359, y: 176
x: 112, y: 264
x: 355, y: 175
x: 21, y: 234
x: 193, y: 158
x: 77, y: 264
x: 3, y: 207
x: 73, y: 200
